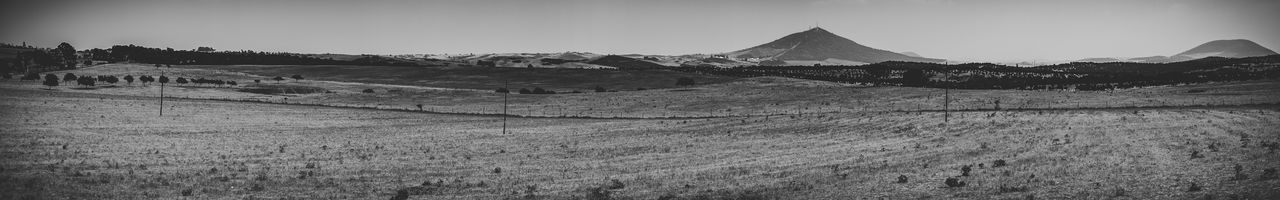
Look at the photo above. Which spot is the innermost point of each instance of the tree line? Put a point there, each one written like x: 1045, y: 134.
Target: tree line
x: 53, y: 80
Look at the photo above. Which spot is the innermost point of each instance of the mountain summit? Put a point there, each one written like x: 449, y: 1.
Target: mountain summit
x: 1239, y: 48
x: 820, y: 45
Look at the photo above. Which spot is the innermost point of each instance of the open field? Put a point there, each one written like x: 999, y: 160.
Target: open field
x: 847, y: 142
x: 759, y: 96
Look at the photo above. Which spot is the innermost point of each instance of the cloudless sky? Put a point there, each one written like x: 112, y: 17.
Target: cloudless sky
x: 986, y: 30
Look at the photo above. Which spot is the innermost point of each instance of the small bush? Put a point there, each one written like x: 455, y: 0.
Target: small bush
x: 187, y: 192
x: 964, y: 171
x: 998, y: 163
x: 955, y: 182
x: 1268, y: 174
x: 257, y: 188
x: 615, y: 184
x: 367, y: 91
x: 1193, y: 188
x: 401, y: 195
x: 902, y: 178
x: 596, y: 193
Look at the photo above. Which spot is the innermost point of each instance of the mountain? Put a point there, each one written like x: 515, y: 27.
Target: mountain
x: 820, y: 45
x: 912, y: 54
x: 1238, y: 48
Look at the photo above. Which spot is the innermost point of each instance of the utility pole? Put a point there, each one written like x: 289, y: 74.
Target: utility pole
x: 946, y: 99
x: 504, y: 106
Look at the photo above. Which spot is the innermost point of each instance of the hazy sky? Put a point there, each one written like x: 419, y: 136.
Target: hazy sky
x: 993, y: 30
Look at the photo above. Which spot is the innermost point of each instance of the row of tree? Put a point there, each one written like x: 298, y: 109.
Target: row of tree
x: 245, y: 57
x: 53, y: 80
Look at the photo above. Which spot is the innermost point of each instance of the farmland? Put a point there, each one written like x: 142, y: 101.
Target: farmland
x: 725, y: 138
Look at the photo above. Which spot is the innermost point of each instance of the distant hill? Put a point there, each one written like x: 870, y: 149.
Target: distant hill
x: 818, y: 44
x: 912, y: 54
x: 1238, y: 48
x: 622, y: 62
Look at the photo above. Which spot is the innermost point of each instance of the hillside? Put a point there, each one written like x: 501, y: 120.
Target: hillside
x: 818, y: 44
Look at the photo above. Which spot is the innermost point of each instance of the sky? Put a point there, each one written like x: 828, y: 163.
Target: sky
x: 978, y: 30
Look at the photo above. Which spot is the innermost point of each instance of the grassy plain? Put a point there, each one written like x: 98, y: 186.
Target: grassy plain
x: 109, y: 143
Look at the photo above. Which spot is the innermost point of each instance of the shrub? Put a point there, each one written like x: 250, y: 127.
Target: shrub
x: 954, y: 182
x: 497, y: 170
x: 401, y: 195
x: 1268, y: 174
x: 902, y: 178
x: 502, y: 90
x: 257, y: 188
x: 187, y: 192
x: 525, y: 91
x: 965, y: 170
x: 596, y: 193
x: 367, y: 91
x: 600, y: 89
x: 615, y: 184
x: 998, y: 163
x: 296, y: 77
x: 1193, y: 188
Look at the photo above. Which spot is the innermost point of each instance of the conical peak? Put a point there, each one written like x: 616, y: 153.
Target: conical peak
x: 818, y: 30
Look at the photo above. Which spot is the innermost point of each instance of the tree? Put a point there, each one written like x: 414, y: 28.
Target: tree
x: 69, y: 77
x: 367, y: 91
x: 600, y: 89
x: 257, y: 81
x: 278, y: 79
x: 86, y: 81
x: 181, y: 80
x: 539, y: 90
x: 524, y: 91
x: 232, y: 83
x: 296, y: 77
x: 128, y: 78
x: 51, y: 80
x: 164, y: 79
x: 67, y: 55
x: 502, y: 90
x: 685, y: 81
x: 419, y: 107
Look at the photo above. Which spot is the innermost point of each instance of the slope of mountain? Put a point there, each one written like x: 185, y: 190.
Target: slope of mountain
x: 1238, y: 48
x: 819, y: 45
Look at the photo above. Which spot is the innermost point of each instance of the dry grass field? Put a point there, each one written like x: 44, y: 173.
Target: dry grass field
x: 757, y: 138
